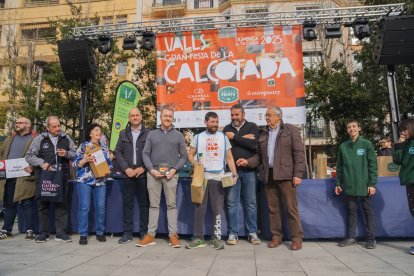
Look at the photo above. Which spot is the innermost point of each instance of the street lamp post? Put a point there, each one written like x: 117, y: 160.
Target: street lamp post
x: 40, y: 64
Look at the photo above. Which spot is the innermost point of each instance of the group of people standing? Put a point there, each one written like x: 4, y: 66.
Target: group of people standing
x: 150, y: 159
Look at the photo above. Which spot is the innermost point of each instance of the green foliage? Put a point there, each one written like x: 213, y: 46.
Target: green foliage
x: 146, y: 79
x: 61, y: 97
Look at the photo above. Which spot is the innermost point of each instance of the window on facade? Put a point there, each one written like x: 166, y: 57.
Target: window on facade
x: 122, y: 19
x: 107, y: 20
x: 39, y: 33
x: 2, y: 2
x: 307, y: 7
x: 121, y: 68
x: 257, y: 17
x: 312, y: 59
x: 200, y: 4
x: 37, y: 3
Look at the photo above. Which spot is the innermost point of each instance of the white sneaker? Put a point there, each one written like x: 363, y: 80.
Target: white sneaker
x: 254, y: 239
x: 233, y: 239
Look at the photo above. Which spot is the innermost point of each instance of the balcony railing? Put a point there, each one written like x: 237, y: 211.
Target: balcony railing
x: 39, y: 3
x: 201, y: 4
x: 158, y: 3
x: 317, y: 130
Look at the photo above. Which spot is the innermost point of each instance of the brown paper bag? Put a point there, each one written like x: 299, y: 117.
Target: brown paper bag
x: 198, y: 185
x: 386, y: 167
x: 100, y: 167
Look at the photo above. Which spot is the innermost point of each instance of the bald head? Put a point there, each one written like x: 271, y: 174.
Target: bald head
x: 135, y: 118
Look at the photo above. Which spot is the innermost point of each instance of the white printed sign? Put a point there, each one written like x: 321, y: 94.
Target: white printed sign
x: 98, y: 157
x: 15, y: 168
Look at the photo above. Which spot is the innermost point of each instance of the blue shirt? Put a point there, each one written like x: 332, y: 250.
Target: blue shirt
x: 271, y: 144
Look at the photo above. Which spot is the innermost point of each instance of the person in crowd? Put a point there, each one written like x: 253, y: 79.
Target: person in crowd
x: 385, y: 147
x: 51, y: 150
x: 282, y: 155
x: 20, y: 189
x: 88, y: 184
x: 356, y: 176
x: 243, y: 136
x: 214, y: 159
x: 403, y: 155
x: 164, y: 154
x: 128, y: 153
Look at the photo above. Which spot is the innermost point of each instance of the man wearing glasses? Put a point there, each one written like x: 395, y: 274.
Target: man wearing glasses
x: 22, y: 189
x: 283, y: 158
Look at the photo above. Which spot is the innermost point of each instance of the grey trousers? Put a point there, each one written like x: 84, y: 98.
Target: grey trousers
x: 155, y: 186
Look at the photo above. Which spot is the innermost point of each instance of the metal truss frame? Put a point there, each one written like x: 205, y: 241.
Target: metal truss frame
x: 320, y: 16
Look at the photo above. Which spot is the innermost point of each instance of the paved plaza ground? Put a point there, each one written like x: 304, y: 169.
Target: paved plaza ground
x: 322, y: 257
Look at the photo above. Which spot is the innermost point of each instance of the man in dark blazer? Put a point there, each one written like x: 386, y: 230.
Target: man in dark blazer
x: 128, y: 155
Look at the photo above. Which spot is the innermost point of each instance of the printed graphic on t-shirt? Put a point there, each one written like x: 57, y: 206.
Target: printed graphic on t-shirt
x: 212, y: 148
x: 411, y: 150
x: 360, y: 151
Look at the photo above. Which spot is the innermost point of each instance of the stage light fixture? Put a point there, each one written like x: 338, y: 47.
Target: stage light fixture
x: 333, y: 30
x: 129, y: 43
x: 361, y: 28
x: 148, y: 40
x: 104, y: 44
x: 309, y: 32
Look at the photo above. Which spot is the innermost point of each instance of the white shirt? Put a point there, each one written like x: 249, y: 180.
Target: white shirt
x: 135, y: 135
x: 212, y: 175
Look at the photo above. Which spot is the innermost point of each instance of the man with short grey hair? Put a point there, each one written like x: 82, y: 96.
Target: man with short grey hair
x: 52, y: 150
x: 282, y: 141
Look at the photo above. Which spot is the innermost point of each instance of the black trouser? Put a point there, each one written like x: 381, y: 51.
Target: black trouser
x: 61, y: 215
x: 10, y: 207
x: 136, y: 188
x: 410, y: 197
x: 352, y: 204
x: 215, y: 194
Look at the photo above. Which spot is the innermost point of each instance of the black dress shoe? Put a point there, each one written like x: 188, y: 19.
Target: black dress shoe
x: 83, y: 240
x: 101, y: 238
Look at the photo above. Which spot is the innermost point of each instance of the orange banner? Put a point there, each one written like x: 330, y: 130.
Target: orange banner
x: 212, y: 70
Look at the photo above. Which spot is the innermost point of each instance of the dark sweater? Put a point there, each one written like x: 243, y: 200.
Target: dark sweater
x: 243, y: 147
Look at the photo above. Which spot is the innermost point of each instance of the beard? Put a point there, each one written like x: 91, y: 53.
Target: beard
x: 212, y: 129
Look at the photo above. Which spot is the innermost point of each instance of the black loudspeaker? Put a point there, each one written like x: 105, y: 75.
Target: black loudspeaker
x: 77, y: 59
x: 395, y: 41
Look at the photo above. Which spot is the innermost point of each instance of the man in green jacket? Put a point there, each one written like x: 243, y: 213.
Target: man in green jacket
x: 21, y: 189
x: 356, y: 177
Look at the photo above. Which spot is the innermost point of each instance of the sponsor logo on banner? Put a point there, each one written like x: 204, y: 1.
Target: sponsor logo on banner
x: 228, y: 94
x: 127, y: 97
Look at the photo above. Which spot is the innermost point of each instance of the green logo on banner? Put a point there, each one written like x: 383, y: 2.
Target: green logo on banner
x: 228, y: 94
x: 127, y: 97
x: 127, y: 94
x: 392, y: 167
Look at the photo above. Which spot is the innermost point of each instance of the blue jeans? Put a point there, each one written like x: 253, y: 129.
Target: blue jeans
x: 10, y: 207
x: 246, y: 187
x: 99, y: 196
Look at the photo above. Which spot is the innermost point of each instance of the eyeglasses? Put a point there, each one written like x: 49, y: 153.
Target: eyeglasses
x: 19, y: 123
x: 267, y: 115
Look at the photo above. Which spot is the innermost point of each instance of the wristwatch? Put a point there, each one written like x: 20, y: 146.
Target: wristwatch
x: 234, y: 175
